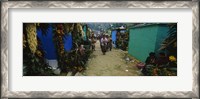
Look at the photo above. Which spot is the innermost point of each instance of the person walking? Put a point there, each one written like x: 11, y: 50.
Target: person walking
x: 104, y: 41
x: 110, y: 43
x: 93, y: 42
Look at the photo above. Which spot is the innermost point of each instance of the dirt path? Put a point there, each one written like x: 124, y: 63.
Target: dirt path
x: 111, y: 64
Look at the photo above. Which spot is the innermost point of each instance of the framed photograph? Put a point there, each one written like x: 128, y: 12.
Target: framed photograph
x: 103, y: 49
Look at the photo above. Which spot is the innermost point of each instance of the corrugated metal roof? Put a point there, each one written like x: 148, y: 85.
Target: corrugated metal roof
x: 147, y: 24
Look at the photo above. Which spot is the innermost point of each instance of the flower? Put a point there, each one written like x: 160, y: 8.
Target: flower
x: 172, y: 58
x: 39, y: 53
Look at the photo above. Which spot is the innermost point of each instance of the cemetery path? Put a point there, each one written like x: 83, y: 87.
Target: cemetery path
x: 111, y: 64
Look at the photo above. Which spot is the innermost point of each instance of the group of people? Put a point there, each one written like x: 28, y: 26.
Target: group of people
x: 161, y: 61
x: 105, y: 43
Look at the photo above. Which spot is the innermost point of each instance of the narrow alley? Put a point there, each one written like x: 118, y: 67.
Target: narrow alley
x: 111, y: 64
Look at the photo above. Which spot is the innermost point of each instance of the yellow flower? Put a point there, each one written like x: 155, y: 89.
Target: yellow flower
x: 39, y: 53
x: 172, y: 58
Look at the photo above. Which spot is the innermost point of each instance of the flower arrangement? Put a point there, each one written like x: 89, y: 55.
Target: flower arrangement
x: 34, y: 63
x: 72, y: 61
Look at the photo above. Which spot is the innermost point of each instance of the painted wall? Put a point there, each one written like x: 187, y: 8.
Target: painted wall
x: 146, y: 39
x: 114, y: 32
x: 68, y: 42
x: 161, y: 35
x: 48, y: 44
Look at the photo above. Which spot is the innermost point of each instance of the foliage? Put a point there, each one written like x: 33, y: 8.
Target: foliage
x: 59, y: 44
x: 74, y: 61
x: 71, y: 61
x: 122, y: 40
x: 34, y: 61
x: 34, y: 64
x: 170, y: 43
x: 155, y: 71
x: 168, y: 69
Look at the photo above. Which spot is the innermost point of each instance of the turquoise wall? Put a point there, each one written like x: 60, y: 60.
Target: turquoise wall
x: 145, y: 39
x: 161, y: 35
x: 85, y: 31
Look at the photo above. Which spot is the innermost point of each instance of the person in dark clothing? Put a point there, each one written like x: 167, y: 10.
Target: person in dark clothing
x: 162, y: 60
x: 93, y: 42
x: 81, y: 51
x: 104, y: 41
x: 110, y: 43
x: 150, y: 60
